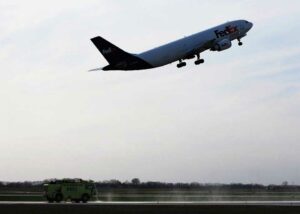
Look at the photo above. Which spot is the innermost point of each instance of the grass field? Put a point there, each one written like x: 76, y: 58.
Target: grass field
x: 166, y: 195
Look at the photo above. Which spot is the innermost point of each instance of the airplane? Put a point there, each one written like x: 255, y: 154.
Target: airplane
x: 218, y: 38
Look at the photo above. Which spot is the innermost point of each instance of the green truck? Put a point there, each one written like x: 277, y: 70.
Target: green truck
x: 75, y: 190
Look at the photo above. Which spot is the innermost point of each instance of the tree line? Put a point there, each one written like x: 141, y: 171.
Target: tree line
x: 37, y: 186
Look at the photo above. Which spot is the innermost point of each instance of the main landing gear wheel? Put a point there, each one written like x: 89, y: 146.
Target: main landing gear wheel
x: 199, y: 61
x: 181, y: 64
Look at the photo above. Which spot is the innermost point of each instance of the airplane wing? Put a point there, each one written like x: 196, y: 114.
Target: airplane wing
x: 202, y: 47
x: 209, y: 44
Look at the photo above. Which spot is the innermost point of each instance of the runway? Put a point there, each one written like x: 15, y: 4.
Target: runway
x: 274, y: 207
x: 210, y: 203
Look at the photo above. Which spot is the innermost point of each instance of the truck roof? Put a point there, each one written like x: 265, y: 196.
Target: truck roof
x: 67, y: 180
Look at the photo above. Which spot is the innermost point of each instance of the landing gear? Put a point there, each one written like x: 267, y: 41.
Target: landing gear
x: 240, y: 43
x: 181, y: 64
x: 199, y: 61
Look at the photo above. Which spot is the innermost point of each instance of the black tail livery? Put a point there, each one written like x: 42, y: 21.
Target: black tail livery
x: 118, y: 58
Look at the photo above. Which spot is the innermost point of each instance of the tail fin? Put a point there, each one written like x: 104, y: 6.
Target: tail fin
x: 111, y: 53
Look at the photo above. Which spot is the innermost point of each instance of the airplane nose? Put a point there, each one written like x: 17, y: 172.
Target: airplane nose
x: 250, y: 25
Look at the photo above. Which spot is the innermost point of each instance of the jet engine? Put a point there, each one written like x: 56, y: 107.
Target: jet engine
x: 222, y: 45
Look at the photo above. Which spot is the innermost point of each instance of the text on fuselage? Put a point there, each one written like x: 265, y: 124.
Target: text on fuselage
x: 228, y: 30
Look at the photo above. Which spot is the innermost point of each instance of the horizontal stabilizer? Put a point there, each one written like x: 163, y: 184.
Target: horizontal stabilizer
x: 96, y: 69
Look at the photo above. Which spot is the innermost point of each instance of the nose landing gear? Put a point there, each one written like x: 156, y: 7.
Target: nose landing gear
x: 240, y: 43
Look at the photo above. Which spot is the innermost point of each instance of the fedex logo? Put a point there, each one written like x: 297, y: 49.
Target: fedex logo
x: 107, y: 51
x: 228, y: 30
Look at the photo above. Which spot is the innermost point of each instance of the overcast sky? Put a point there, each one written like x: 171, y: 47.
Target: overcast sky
x: 234, y: 119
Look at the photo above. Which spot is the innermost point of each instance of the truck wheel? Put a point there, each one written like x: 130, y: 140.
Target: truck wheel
x: 85, y: 198
x: 58, y: 198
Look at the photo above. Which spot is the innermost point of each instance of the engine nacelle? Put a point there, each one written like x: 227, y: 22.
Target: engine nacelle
x: 222, y: 45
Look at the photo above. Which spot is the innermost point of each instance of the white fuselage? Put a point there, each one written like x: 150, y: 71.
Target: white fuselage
x: 179, y: 49
x: 218, y: 38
